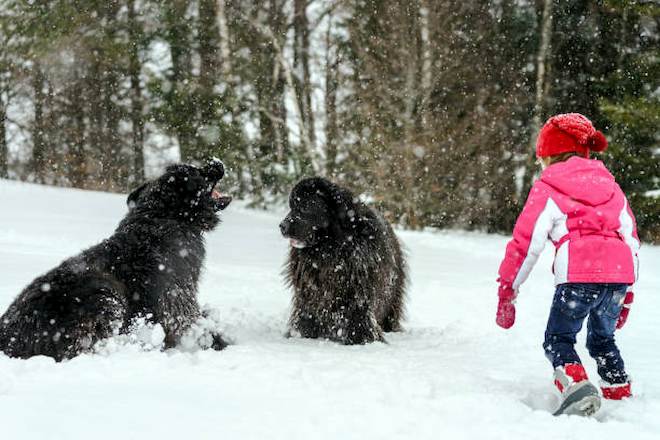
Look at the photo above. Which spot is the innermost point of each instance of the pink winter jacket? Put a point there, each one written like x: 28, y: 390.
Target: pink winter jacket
x: 578, y: 205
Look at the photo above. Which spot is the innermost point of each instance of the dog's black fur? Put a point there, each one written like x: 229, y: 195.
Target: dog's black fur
x: 345, y: 265
x: 149, y: 267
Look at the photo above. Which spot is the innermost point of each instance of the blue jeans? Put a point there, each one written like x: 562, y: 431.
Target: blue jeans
x: 574, y: 302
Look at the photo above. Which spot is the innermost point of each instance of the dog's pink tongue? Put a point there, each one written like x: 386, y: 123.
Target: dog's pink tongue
x: 296, y: 243
x: 216, y: 194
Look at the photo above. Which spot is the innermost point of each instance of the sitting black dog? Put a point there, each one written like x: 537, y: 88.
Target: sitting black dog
x: 345, y: 265
x: 148, y: 268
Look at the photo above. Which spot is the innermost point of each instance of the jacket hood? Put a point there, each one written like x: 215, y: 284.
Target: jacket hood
x: 584, y: 180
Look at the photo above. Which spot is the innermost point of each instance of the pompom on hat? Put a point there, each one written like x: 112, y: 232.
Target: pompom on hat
x: 569, y: 132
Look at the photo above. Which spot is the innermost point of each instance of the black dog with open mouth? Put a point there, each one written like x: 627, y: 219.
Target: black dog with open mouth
x: 148, y: 268
x: 345, y: 265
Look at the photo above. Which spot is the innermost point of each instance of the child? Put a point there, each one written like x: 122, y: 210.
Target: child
x: 577, y: 204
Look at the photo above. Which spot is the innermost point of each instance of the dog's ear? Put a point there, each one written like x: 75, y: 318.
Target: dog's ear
x: 341, y: 203
x: 131, y: 201
x: 345, y: 207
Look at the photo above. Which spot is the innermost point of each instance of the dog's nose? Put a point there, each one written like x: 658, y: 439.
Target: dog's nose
x: 215, y: 169
x: 284, y: 227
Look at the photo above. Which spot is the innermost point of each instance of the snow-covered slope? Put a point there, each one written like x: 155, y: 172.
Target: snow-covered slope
x: 451, y: 374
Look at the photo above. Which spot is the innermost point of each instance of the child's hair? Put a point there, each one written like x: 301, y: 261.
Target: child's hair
x: 550, y: 160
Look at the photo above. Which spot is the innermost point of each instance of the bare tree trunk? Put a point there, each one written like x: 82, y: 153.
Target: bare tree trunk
x: 331, y: 85
x: 242, y: 166
x: 207, y: 37
x: 5, y: 96
x: 52, y: 133
x: 622, y: 37
x: 276, y: 30
x: 407, y: 144
x: 268, y: 25
x: 79, y: 171
x: 427, y: 62
x: 541, y: 92
x: 4, y: 148
x: 177, y: 36
x: 137, y: 120
x: 205, y: 95
x: 39, y: 126
x: 301, y: 65
x: 76, y: 171
x: 282, y: 63
x: 278, y: 112
x: 223, y: 30
x: 414, y: 63
x: 114, y: 166
x: 96, y: 121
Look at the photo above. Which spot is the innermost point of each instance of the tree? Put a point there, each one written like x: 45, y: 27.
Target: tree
x: 303, y: 81
x: 5, y: 93
x: 439, y: 92
x: 631, y: 111
x: 135, y: 44
x: 4, y: 147
x: 541, y: 90
x: 427, y: 109
x: 40, y: 129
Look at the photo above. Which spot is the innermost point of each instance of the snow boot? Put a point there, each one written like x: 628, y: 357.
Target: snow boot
x: 579, y: 396
x: 617, y: 391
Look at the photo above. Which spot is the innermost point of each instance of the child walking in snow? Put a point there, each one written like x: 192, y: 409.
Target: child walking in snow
x: 578, y: 206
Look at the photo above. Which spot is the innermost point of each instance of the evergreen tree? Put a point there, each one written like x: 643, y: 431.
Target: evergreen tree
x: 632, y: 112
x: 428, y: 109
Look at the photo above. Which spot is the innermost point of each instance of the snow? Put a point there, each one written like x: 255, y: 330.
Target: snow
x: 452, y: 374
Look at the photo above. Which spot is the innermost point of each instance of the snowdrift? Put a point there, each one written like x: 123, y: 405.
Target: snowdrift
x: 451, y: 374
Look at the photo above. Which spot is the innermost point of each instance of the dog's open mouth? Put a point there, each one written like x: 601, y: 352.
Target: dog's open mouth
x: 298, y: 244
x: 221, y: 201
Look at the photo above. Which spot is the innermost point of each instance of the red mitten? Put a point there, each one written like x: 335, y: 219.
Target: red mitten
x: 506, y: 310
x: 623, y: 316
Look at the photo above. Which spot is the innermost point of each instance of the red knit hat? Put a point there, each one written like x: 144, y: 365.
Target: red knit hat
x: 569, y: 132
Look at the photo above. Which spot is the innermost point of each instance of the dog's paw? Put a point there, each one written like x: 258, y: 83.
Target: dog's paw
x: 218, y: 342
x: 358, y: 334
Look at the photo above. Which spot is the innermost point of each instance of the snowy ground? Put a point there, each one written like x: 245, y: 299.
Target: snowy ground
x: 451, y: 374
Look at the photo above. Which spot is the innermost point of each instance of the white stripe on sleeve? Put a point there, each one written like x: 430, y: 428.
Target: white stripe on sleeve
x: 544, y: 224
x: 626, y: 231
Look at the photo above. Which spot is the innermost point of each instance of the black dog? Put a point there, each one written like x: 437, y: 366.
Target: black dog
x: 345, y: 266
x: 148, y: 268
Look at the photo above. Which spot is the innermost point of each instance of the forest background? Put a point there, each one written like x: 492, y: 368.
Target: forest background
x: 427, y: 109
